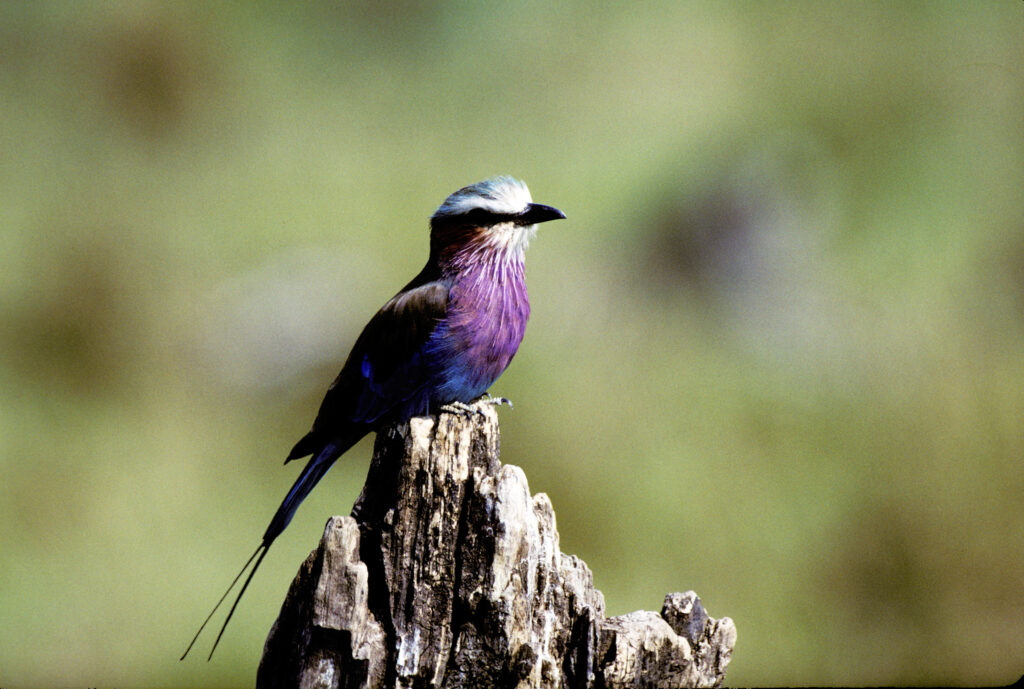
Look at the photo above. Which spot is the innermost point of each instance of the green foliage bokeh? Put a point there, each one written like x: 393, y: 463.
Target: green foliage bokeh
x: 775, y: 352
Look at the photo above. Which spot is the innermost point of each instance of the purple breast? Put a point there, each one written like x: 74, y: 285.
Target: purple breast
x: 487, y: 312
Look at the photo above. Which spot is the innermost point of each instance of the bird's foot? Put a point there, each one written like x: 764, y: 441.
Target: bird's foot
x: 467, y: 411
x: 462, y: 409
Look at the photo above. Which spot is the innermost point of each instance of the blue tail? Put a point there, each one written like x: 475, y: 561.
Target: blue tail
x: 310, y: 476
x: 315, y: 469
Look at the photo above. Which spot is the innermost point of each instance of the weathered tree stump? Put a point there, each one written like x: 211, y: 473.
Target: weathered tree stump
x: 448, y: 574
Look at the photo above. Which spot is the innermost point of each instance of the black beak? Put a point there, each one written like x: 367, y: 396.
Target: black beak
x: 537, y: 213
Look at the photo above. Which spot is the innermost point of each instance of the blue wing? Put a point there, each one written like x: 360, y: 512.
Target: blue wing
x: 385, y: 376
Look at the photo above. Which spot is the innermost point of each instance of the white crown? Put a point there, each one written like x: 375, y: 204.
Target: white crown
x: 502, y: 195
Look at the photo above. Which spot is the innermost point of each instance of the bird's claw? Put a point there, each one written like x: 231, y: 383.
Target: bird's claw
x: 460, y: 409
x: 498, y: 401
x: 467, y: 411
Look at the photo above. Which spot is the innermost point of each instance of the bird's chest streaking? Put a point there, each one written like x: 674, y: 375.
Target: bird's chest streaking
x: 488, y: 307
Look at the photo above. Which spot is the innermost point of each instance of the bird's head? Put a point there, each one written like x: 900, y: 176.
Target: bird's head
x: 497, y: 214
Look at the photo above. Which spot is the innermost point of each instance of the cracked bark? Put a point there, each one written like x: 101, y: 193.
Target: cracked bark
x: 448, y: 574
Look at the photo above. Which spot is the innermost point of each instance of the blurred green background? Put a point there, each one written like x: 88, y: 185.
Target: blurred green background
x: 775, y: 353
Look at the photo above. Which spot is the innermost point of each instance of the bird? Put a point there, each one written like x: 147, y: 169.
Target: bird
x: 436, y: 345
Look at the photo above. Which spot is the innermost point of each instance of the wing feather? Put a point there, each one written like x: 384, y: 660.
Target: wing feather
x: 385, y: 372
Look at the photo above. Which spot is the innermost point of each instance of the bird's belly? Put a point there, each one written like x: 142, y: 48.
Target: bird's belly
x: 474, y: 349
x: 470, y: 362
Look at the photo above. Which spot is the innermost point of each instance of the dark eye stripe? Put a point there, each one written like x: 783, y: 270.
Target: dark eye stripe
x: 486, y: 217
x: 479, y: 217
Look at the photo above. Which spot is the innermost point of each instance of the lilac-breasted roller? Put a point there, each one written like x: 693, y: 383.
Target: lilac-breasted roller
x: 442, y: 340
